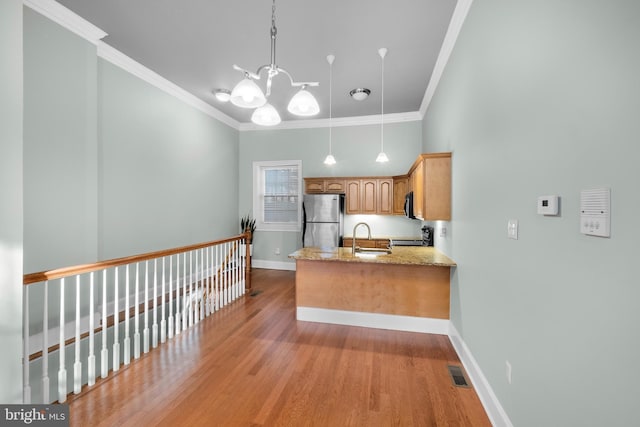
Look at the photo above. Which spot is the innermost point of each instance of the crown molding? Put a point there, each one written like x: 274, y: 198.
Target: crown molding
x: 121, y: 60
x: 66, y: 18
x: 338, y: 122
x: 457, y: 19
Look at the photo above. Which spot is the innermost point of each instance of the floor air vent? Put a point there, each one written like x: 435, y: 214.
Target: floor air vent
x: 457, y: 376
x: 255, y: 293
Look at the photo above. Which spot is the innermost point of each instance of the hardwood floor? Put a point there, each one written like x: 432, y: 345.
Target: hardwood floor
x: 253, y: 364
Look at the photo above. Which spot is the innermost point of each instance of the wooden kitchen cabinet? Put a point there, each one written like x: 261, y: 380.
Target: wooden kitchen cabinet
x: 366, y: 243
x: 385, y: 196
x: 324, y: 185
x: 369, y: 196
x: 400, y: 190
x: 430, y: 181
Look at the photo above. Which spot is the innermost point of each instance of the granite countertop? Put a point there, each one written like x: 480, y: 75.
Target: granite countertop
x: 406, y: 255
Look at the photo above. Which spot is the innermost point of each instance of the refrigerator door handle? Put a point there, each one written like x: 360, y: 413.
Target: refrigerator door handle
x: 304, y: 223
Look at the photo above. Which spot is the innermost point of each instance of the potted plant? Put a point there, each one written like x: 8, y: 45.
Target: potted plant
x: 247, y: 224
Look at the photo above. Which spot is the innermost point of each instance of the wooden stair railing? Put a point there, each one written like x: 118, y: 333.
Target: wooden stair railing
x: 221, y: 275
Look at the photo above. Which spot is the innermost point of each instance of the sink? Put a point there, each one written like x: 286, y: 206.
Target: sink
x: 371, y: 252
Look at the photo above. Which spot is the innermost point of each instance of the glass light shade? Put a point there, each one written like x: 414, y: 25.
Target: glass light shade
x: 266, y: 116
x: 329, y: 160
x: 303, y: 104
x: 223, y: 95
x: 382, y: 158
x: 247, y: 94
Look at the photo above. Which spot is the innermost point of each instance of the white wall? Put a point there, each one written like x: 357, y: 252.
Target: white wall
x: 543, y: 98
x: 11, y: 193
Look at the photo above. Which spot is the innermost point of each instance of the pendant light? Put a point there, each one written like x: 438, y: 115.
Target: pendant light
x: 330, y: 160
x: 382, y: 157
x: 247, y: 94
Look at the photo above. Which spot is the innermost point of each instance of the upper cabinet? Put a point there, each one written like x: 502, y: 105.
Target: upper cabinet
x: 429, y: 179
x: 400, y: 190
x: 324, y: 185
x: 369, y: 196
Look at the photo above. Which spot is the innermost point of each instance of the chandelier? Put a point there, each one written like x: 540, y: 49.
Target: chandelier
x: 247, y: 94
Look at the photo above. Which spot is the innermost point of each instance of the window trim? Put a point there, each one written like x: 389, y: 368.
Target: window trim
x: 258, y: 185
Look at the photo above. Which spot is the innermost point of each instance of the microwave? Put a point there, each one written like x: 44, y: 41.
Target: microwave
x: 408, y: 205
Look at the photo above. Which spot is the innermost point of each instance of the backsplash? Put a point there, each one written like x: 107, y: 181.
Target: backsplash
x: 383, y: 226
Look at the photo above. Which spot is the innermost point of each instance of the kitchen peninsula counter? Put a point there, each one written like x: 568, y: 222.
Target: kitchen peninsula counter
x: 402, y: 255
x: 406, y: 290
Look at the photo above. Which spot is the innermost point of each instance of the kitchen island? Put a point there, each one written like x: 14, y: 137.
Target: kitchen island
x: 407, y: 289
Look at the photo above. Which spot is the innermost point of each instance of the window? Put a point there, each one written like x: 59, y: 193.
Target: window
x: 277, y: 195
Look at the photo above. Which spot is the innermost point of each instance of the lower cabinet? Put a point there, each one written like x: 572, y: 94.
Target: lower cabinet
x: 366, y: 243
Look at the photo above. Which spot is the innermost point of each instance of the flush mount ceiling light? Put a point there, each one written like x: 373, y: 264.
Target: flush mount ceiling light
x: 222, y: 95
x: 330, y: 160
x: 382, y: 157
x: 247, y: 94
x: 360, y: 93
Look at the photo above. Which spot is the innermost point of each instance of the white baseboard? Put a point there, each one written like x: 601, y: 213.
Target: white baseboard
x: 374, y: 320
x: 273, y: 265
x: 490, y: 402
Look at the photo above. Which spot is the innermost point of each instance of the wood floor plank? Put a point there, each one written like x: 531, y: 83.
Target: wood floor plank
x: 253, y: 364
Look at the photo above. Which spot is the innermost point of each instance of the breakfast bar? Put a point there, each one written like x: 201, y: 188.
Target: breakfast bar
x: 407, y: 289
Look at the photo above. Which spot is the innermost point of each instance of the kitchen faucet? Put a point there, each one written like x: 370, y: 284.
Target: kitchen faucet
x: 353, y: 242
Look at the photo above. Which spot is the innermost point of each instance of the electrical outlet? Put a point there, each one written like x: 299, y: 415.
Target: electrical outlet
x: 443, y: 231
x: 508, y: 372
x: 277, y: 251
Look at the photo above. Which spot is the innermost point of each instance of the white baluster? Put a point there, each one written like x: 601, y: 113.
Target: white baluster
x: 218, y: 277
x: 207, y: 269
x: 26, y: 388
x: 62, y: 371
x: 186, y: 304
x: 136, y: 314
x: 236, y: 252
x: 170, y: 318
x: 145, y: 332
x: 226, y: 274
x: 163, y: 323
x: 203, y: 282
x: 116, y: 322
x: 154, y: 328
x: 189, y: 307
x: 196, y: 300
x: 178, y: 291
x: 191, y: 288
x: 77, y: 366
x: 91, y: 360
x: 104, y: 354
x: 127, y: 339
x: 45, y: 345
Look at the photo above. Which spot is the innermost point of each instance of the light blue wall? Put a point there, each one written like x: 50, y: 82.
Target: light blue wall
x: 355, y: 149
x: 60, y: 144
x: 11, y: 198
x: 167, y: 171
x: 543, y: 98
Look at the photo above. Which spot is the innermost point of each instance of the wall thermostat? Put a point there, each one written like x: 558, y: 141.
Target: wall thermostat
x: 548, y: 205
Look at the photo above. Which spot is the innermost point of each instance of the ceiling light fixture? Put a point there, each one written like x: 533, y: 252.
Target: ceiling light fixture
x: 360, y: 93
x: 382, y: 157
x: 330, y: 160
x: 222, y: 95
x: 247, y: 94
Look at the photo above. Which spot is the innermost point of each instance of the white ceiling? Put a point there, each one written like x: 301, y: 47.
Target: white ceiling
x: 195, y: 43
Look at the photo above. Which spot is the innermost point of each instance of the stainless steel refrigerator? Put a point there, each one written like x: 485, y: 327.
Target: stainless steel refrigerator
x: 323, y: 216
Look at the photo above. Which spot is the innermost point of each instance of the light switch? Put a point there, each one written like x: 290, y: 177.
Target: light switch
x: 512, y: 229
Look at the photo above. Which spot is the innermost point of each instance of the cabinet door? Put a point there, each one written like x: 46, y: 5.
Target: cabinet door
x: 400, y: 190
x: 437, y: 188
x: 334, y: 186
x: 385, y: 196
x: 369, y: 200
x: 352, y: 198
x: 383, y: 243
x: 418, y: 190
x: 313, y: 185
